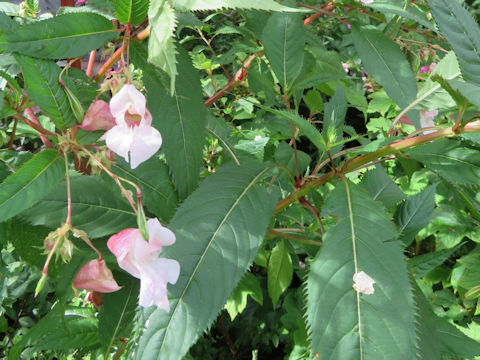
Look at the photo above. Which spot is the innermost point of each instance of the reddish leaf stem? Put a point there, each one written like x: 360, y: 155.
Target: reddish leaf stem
x: 91, y: 63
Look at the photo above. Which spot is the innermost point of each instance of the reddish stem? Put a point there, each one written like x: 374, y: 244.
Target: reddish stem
x: 34, y: 123
x: 91, y: 63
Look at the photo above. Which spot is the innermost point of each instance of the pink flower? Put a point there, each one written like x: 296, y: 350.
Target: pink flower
x: 140, y: 258
x: 345, y: 67
x: 96, y: 276
x: 132, y: 137
x: 427, y: 69
x: 365, y: 2
x: 426, y: 119
x: 424, y: 70
x: 98, y: 117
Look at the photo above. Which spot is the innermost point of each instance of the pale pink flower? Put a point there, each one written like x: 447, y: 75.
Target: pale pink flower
x: 133, y: 137
x: 98, y: 117
x: 140, y: 258
x: 345, y: 67
x: 363, y: 283
x: 96, y: 276
x: 426, y: 119
x: 365, y: 2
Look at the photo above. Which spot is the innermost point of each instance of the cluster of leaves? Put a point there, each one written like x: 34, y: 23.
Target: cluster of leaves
x: 292, y: 158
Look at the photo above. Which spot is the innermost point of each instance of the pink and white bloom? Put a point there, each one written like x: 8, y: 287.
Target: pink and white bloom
x: 426, y: 119
x: 140, y: 258
x: 365, y: 2
x: 96, y: 276
x: 132, y: 137
x: 363, y: 283
x: 98, y: 117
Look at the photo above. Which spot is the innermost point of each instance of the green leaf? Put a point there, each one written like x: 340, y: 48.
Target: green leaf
x: 461, y: 31
x: 449, y: 158
x: 421, y: 265
x: 161, y: 46
x: 437, y: 337
x: 118, y: 311
x: 96, y: 209
x: 181, y: 120
x: 60, y: 37
x: 195, y: 5
x: 248, y: 286
x: 345, y: 324
x: 284, y: 39
x: 415, y: 213
x: 468, y: 91
x: 158, y: 193
x: 31, y: 183
x: 41, y: 84
x: 131, y: 11
x: 408, y: 13
x: 280, y: 271
x: 334, y: 117
x: 381, y: 187
x: 213, y: 255
x: 384, y: 60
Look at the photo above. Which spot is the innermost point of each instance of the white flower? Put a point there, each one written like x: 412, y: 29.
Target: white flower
x: 132, y: 137
x: 363, y: 283
x: 365, y: 2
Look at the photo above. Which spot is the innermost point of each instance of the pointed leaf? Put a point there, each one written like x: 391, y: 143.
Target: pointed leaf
x: 384, y: 60
x: 161, y: 46
x: 31, y: 183
x: 345, y: 324
x: 248, y: 286
x: 451, y: 159
x: 60, y: 37
x: 461, y: 31
x: 280, y: 271
x: 41, y: 84
x: 219, y: 230
x: 284, y: 39
x: 335, y: 112
x: 96, y: 209
x: 421, y: 265
x: 381, y: 187
x: 415, y: 213
x: 131, y: 11
x: 195, y: 5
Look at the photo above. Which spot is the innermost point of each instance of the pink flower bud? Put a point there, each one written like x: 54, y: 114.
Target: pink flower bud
x: 96, y: 276
x: 98, y: 117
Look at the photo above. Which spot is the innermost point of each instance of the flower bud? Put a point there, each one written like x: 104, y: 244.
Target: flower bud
x: 96, y: 276
x: 98, y: 117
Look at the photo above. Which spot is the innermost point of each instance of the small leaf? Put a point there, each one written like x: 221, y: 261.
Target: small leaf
x: 381, y: 187
x: 60, y: 37
x: 280, y: 271
x: 415, y: 214
x: 131, y: 11
x: 421, y: 265
x: 42, y: 86
x: 31, y: 183
x: 161, y: 46
x: 334, y: 117
x: 248, y: 286
x: 195, y: 5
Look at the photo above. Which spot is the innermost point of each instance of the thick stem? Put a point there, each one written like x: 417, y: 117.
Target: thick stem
x: 91, y: 63
x: 69, y: 193
x: 12, y: 135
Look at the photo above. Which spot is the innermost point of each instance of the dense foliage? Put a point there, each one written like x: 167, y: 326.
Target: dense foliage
x: 217, y: 179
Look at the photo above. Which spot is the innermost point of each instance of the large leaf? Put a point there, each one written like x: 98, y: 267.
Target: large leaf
x: 384, y: 60
x: 345, y: 324
x: 31, y: 183
x: 181, y: 119
x: 219, y: 230
x: 449, y: 158
x: 161, y: 46
x: 95, y: 208
x: 118, y: 311
x: 60, y: 37
x: 41, y: 84
x: 461, y: 31
x: 194, y: 5
x: 284, y: 39
x: 131, y: 11
x: 415, y: 213
x: 158, y: 193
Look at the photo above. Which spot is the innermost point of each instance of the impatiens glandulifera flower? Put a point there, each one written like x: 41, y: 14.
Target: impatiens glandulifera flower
x: 132, y: 137
x: 98, y: 117
x: 363, y: 283
x: 365, y: 2
x: 426, y: 119
x: 140, y: 258
x: 96, y: 276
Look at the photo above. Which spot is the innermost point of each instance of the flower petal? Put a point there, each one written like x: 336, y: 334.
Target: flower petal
x: 123, y: 246
x: 96, y: 276
x: 159, y: 235
x: 146, y: 142
x: 98, y: 117
x: 119, y: 139
x: 128, y: 98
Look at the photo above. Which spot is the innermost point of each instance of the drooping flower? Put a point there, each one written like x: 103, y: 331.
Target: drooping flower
x: 363, y: 283
x: 132, y: 137
x: 96, y: 276
x: 98, y: 117
x: 140, y: 258
x: 426, y: 119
